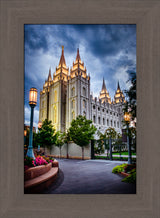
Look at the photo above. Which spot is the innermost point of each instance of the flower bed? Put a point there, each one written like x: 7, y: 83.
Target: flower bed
x: 40, y: 160
x: 34, y: 172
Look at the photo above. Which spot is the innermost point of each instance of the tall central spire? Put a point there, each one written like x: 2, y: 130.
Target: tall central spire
x: 104, y: 85
x: 78, y: 55
x: 62, y: 59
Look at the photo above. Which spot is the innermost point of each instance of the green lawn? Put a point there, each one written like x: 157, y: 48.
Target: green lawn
x: 122, y: 153
x: 114, y: 158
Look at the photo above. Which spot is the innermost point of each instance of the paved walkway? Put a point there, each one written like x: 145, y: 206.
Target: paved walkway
x: 89, y: 177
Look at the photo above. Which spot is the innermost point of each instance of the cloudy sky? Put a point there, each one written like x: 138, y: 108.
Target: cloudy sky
x: 108, y: 51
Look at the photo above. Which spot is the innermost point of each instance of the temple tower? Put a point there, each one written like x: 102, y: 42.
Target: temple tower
x: 104, y: 95
x: 78, y: 91
x: 119, y: 97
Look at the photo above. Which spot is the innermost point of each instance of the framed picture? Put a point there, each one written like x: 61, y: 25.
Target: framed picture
x: 14, y: 15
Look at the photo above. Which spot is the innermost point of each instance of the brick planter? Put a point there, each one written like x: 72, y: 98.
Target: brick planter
x: 55, y: 163
x: 124, y: 174
x: 34, y: 172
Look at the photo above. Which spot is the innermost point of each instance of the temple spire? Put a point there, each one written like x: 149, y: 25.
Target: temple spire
x: 62, y: 59
x: 104, y: 85
x: 49, y: 75
x: 78, y: 55
x: 118, y: 87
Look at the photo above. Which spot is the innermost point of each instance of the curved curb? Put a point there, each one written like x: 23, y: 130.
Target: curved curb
x: 40, y: 183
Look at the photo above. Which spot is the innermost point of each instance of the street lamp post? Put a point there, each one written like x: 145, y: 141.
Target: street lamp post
x: 32, y: 103
x: 25, y: 134
x: 127, y: 119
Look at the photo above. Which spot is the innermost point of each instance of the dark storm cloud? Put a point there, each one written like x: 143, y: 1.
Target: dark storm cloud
x: 108, y: 40
x: 108, y: 51
x: 34, y: 39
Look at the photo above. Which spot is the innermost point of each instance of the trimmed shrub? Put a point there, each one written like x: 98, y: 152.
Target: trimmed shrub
x: 131, y: 178
x: 119, y: 168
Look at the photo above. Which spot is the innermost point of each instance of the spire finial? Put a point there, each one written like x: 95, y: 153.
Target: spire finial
x: 103, y: 85
x: 62, y: 59
x: 118, y: 87
x: 78, y: 56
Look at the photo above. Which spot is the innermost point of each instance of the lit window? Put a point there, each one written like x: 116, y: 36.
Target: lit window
x: 55, y: 96
x: 73, y: 91
x: 73, y: 115
x: 55, y: 115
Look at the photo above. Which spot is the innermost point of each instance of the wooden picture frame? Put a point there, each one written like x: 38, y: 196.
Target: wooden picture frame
x: 13, y: 15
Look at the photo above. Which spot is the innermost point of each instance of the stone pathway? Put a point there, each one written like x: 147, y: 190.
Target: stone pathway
x: 89, y: 177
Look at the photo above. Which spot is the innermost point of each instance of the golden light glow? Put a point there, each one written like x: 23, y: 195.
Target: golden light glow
x: 55, y: 96
x: 39, y: 124
x: 33, y: 96
x: 55, y: 114
x: 127, y: 117
x: 25, y: 132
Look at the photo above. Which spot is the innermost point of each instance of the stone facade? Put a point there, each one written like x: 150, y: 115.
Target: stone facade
x: 67, y: 95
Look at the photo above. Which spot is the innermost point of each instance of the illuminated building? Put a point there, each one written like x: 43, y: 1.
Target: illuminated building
x: 67, y: 95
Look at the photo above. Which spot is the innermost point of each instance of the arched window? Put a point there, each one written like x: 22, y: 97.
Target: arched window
x: 84, y: 91
x: 107, y: 122
x: 73, y: 115
x: 98, y: 108
x: 73, y: 91
x: 73, y: 104
x: 103, y: 121
x: 55, y: 96
x: 118, y: 124
x: 94, y: 119
x: 42, y: 103
x: 55, y: 114
x: 114, y: 123
x: 111, y: 122
x: 84, y: 103
x: 94, y: 107
x: 99, y: 120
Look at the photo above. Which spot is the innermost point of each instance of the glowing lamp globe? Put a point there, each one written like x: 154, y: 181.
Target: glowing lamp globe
x: 127, y: 117
x: 33, y: 96
x: 39, y: 124
x: 25, y: 132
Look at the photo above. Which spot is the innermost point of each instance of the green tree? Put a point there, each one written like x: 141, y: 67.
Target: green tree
x: 60, y: 140
x: 46, y: 135
x: 111, y: 133
x: 82, y: 131
x: 131, y: 104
